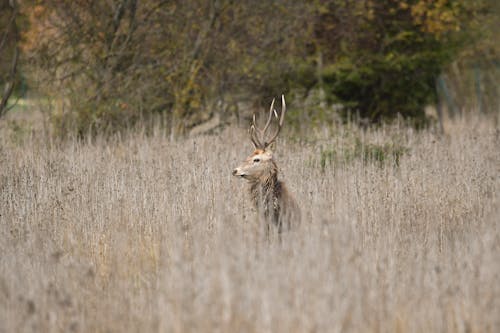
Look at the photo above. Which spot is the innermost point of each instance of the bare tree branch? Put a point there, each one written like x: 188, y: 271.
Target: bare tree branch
x: 11, y: 77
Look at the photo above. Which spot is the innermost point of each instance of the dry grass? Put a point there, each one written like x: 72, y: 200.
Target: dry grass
x: 145, y: 235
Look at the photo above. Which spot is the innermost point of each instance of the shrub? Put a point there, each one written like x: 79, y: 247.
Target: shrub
x: 382, y: 58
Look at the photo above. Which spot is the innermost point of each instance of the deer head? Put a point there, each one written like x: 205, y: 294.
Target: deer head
x: 260, y: 164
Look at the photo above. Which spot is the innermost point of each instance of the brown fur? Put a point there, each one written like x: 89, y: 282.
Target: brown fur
x: 257, y: 152
x: 271, y: 197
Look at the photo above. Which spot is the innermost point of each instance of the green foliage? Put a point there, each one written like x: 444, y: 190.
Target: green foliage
x: 366, y: 152
x: 381, y: 87
x: 116, y: 62
x: 178, y: 58
x: 9, y: 52
x: 471, y: 83
x: 386, y: 63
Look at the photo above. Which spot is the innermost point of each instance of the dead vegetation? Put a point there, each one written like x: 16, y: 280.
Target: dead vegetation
x: 142, y: 234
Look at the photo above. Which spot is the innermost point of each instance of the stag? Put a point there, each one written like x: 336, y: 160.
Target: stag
x: 269, y: 195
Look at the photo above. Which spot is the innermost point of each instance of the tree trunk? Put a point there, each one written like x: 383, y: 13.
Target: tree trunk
x: 10, y: 78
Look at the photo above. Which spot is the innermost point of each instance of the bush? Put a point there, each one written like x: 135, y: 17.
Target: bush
x: 380, y: 155
x: 386, y: 60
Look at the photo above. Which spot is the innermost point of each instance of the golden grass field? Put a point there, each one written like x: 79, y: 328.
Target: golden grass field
x: 141, y: 234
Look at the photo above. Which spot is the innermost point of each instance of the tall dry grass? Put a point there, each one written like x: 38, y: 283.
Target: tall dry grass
x: 141, y: 234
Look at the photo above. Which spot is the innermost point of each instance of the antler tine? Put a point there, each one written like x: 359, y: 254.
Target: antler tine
x: 282, y: 119
x: 253, y: 134
x: 283, y: 109
x: 271, y: 109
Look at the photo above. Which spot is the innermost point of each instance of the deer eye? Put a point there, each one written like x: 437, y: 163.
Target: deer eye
x: 256, y: 160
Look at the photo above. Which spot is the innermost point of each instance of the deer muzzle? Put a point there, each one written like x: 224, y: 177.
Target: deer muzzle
x: 238, y: 173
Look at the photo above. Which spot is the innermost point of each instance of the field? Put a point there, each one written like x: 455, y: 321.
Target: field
x: 136, y: 233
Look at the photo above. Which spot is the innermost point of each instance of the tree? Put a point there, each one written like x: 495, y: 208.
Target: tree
x: 118, y: 61
x: 472, y: 81
x: 9, y: 39
x: 383, y: 57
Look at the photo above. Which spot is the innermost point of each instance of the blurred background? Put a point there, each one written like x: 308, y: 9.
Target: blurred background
x: 193, y: 66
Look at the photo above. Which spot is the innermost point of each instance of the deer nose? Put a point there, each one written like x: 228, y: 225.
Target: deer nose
x: 235, y: 171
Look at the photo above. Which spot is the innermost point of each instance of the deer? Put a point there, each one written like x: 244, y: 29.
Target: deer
x: 269, y: 195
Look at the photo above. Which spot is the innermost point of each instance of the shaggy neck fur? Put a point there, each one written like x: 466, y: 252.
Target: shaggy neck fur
x: 265, y: 192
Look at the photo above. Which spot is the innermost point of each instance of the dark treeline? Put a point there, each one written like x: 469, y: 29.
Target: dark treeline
x: 113, y: 63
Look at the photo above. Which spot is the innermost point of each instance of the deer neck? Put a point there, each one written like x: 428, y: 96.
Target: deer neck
x: 265, y: 190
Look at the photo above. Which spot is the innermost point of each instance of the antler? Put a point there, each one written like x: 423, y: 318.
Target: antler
x: 282, y: 119
x: 257, y: 135
x: 253, y: 134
